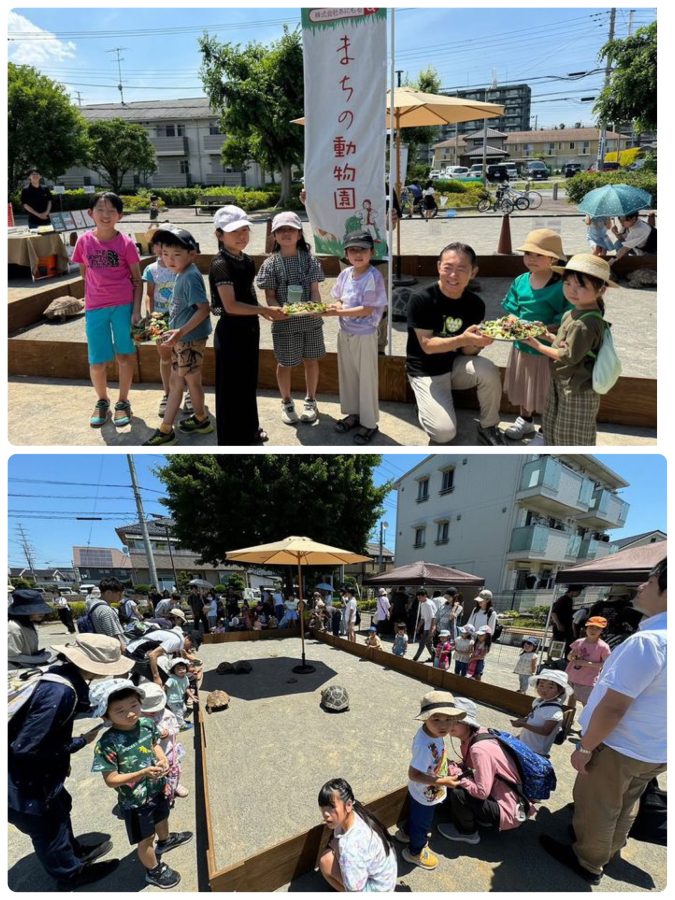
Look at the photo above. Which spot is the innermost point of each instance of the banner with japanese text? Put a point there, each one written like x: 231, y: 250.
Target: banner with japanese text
x: 345, y: 60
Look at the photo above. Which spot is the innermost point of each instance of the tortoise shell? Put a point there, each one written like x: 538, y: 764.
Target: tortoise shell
x: 335, y: 698
x: 62, y: 307
x: 217, y: 700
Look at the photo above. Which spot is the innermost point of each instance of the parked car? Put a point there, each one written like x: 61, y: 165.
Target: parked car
x: 455, y: 171
x: 497, y: 172
x: 476, y: 170
x: 512, y: 171
x: 86, y: 589
x: 571, y: 169
x: 536, y: 170
x: 434, y: 174
x: 68, y: 592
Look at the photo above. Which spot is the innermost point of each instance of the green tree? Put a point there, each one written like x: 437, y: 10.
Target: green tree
x: 236, y: 581
x: 45, y: 130
x: 183, y: 580
x: 429, y: 82
x: 249, y: 500
x: 117, y: 148
x: 630, y: 95
x: 258, y: 91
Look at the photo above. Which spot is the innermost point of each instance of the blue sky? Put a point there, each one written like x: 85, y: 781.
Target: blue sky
x: 467, y: 46
x: 46, y: 487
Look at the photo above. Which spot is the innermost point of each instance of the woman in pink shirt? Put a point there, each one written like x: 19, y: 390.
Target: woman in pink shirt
x: 479, y: 798
x: 586, y: 659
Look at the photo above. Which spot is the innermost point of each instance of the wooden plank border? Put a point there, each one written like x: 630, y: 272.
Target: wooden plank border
x: 234, y: 636
x: 283, y: 862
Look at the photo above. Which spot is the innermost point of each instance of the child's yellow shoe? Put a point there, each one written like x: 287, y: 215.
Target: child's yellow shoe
x: 425, y: 858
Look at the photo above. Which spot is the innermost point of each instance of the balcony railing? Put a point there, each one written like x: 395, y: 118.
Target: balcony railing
x: 542, y: 542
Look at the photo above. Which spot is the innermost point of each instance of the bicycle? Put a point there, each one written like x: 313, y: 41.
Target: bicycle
x: 519, y: 198
x: 498, y: 203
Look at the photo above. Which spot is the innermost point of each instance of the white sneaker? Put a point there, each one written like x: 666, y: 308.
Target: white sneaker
x: 449, y: 831
x: 288, y: 413
x: 162, y: 405
x: 537, y: 440
x: 519, y: 429
x: 310, y: 412
x: 187, y: 405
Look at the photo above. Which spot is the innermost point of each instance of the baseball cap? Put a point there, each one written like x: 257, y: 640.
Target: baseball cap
x: 287, y: 220
x: 231, y: 218
x: 362, y: 239
x: 181, y: 235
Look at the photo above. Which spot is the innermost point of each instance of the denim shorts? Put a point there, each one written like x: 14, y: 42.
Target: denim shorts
x: 109, y: 333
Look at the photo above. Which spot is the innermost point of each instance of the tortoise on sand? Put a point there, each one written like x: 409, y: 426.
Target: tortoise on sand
x: 242, y: 667
x: 335, y: 698
x: 63, y: 307
x: 224, y: 667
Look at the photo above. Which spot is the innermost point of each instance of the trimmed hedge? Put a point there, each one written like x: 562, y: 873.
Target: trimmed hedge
x: 580, y: 184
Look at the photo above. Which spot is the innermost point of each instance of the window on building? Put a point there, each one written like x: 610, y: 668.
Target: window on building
x: 185, y: 167
x: 170, y: 131
x: 422, y: 490
x: 214, y: 128
x: 447, y: 480
x: 585, y: 147
x: 442, y: 532
x: 180, y: 130
x: 86, y: 180
x: 420, y: 536
x: 571, y: 145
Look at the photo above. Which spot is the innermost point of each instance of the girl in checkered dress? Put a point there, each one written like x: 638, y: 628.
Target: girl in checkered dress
x: 572, y: 405
x: 292, y: 274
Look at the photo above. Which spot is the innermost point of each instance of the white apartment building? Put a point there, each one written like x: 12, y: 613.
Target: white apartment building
x: 187, y: 140
x: 512, y: 519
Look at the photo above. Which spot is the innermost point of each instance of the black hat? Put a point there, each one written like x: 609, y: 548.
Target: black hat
x: 179, y: 235
x: 421, y: 591
x: 451, y: 591
x: 26, y: 602
x: 362, y: 239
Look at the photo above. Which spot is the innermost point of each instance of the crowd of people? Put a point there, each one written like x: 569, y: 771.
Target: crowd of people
x: 142, y: 678
x: 552, y: 372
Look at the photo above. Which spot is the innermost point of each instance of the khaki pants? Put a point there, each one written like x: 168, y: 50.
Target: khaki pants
x: 435, y: 405
x: 606, y: 802
x: 358, y: 374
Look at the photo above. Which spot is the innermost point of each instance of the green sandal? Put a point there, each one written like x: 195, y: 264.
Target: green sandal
x: 100, y: 415
x: 123, y: 407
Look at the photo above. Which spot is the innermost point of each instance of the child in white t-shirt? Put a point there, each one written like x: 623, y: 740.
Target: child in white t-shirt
x: 526, y: 664
x: 543, y: 723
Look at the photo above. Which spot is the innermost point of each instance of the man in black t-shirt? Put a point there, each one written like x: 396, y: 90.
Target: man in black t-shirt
x: 36, y: 200
x: 443, y: 347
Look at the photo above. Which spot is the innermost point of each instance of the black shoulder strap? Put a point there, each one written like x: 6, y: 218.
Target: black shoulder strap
x: 551, y: 703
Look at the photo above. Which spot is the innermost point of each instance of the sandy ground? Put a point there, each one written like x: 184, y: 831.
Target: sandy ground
x: 272, y: 750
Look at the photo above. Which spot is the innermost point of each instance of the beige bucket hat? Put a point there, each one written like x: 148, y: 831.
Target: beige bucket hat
x: 588, y: 264
x: 439, y: 702
x: 96, y: 653
x: 545, y: 242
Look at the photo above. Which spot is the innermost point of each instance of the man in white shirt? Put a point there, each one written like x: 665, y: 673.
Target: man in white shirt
x: 623, y: 739
x: 633, y: 236
x: 350, y: 614
x: 426, y: 622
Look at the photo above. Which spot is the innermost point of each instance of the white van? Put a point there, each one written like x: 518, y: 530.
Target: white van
x: 86, y: 589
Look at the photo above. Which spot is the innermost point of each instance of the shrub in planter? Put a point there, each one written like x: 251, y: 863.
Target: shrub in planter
x: 580, y: 184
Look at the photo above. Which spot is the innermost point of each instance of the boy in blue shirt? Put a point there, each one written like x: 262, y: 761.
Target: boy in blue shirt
x: 190, y: 326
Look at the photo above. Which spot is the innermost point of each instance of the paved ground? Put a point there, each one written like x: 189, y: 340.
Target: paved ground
x: 281, y: 800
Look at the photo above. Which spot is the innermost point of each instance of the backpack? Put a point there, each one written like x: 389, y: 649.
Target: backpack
x: 357, y: 617
x: 568, y: 718
x: 85, y: 624
x: 21, y: 689
x: 650, y: 824
x: 537, y: 776
x: 607, y: 365
x: 498, y: 632
x: 135, y: 628
x: 123, y: 612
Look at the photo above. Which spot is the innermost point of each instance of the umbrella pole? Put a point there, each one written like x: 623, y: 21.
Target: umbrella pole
x: 304, y: 668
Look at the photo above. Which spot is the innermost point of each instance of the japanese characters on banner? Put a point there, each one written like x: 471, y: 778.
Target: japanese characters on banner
x: 345, y: 57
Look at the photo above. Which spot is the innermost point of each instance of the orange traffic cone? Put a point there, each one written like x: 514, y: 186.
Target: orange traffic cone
x: 504, y: 243
x: 10, y: 216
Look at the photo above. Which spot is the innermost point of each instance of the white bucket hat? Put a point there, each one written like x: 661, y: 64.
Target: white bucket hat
x: 153, y: 697
x: 96, y: 653
x: 556, y: 676
x: 101, y: 691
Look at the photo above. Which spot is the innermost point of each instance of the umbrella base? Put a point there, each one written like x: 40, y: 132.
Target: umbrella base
x: 403, y: 280
x: 303, y: 669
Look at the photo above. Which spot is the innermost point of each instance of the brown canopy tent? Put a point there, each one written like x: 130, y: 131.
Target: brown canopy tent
x: 630, y: 566
x: 422, y: 573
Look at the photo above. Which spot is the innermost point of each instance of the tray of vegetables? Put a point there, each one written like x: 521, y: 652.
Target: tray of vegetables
x: 509, y: 328
x: 150, y: 328
x: 304, y: 309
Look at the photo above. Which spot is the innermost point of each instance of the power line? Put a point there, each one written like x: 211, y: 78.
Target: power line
x: 80, y: 484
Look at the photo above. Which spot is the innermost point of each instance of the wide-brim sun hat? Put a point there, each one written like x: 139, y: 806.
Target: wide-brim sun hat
x: 588, y: 264
x: 231, y: 218
x: 178, y: 660
x: 27, y: 602
x: 467, y: 629
x: 545, y: 242
x: 153, y: 697
x: 556, y: 676
x: 96, y: 653
x: 485, y: 594
x: 470, y: 709
x: 286, y: 220
x: 484, y: 629
x: 382, y: 591
x: 101, y: 691
x: 178, y: 614
x: 442, y: 702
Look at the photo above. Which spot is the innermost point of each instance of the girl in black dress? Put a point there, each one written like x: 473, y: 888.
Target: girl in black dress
x: 237, y: 335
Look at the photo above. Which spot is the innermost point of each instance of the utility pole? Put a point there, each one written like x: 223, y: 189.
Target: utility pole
x: 144, y: 527
x: 399, y: 72
x: 173, y: 564
x: 602, y: 139
x: 383, y: 526
x: 631, y: 13
x: 27, y: 548
x: 118, y: 50
x: 79, y: 97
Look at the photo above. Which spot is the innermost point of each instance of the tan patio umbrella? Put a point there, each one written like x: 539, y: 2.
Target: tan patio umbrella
x: 297, y: 551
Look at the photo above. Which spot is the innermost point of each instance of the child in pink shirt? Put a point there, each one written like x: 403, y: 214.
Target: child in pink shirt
x: 586, y: 658
x: 109, y: 263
